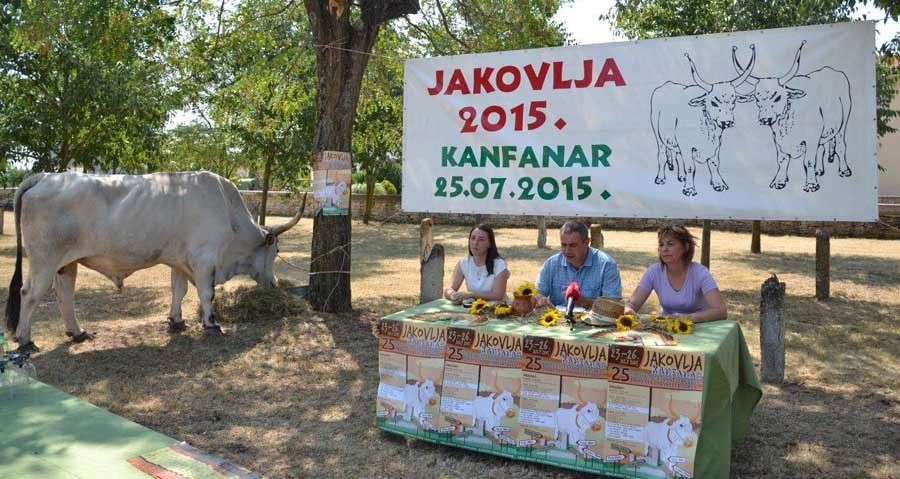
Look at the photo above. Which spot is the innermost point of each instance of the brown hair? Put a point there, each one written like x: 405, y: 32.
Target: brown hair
x: 681, y: 234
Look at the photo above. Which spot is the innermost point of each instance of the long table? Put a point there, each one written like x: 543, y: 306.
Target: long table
x: 621, y: 404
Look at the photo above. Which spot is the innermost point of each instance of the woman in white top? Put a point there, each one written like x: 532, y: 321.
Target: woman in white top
x: 484, y: 271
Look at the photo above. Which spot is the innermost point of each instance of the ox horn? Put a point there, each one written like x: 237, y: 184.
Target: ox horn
x: 277, y: 230
x: 695, y: 418
x: 743, y: 73
x: 794, y: 67
x: 697, y: 79
x: 419, y: 374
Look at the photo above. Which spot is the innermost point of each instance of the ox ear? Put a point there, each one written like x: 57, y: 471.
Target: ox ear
x: 794, y: 93
x: 698, y: 101
x: 270, y: 239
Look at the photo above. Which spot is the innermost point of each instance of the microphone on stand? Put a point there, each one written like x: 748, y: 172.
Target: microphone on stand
x: 573, y: 294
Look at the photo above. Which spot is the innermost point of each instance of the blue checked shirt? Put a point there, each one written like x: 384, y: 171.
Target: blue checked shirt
x: 598, y: 276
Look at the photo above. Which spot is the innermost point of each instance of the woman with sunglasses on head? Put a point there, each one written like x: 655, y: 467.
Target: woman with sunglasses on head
x: 483, y: 270
x: 684, y: 288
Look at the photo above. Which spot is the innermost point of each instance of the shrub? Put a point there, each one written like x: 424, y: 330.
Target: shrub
x: 389, y: 187
x: 358, y: 188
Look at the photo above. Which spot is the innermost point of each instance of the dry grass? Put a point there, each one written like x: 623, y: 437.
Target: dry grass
x: 292, y: 395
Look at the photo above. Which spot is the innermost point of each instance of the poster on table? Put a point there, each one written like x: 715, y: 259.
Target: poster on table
x: 481, y: 388
x: 563, y: 400
x: 653, y: 408
x: 761, y: 125
x: 411, y: 373
x: 332, y: 178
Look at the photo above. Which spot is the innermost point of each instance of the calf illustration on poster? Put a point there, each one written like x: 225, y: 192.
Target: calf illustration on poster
x: 805, y: 112
x: 688, y: 120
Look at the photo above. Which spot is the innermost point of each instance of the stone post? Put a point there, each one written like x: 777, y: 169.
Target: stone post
x: 431, y: 285
x: 771, y: 330
x: 823, y: 264
x: 596, y: 236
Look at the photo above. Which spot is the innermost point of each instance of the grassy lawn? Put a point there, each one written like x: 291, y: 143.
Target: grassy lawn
x: 294, y: 396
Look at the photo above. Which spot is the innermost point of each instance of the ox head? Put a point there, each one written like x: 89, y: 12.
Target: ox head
x: 773, y: 95
x: 681, y: 427
x: 587, y: 413
x: 425, y: 388
x: 718, y: 99
x: 262, y: 261
x: 503, y: 401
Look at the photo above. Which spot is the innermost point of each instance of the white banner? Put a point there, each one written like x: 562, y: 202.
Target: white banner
x: 770, y: 124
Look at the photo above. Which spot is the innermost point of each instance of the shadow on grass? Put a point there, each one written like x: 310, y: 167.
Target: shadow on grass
x: 856, y: 268
x: 799, y: 432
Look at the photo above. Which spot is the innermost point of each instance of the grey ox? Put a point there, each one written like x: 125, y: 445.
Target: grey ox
x: 689, y: 120
x: 805, y: 112
x: 196, y: 223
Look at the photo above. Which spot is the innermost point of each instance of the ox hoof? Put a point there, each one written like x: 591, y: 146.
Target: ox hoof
x: 720, y: 187
x: 80, y: 337
x: 811, y: 187
x: 846, y: 173
x: 689, y: 192
x: 214, y: 330
x: 776, y: 185
x: 176, y: 326
x: 660, y: 181
x: 28, y: 347
x: 820, y: 172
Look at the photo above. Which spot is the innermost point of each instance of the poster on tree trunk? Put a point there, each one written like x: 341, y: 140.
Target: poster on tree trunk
x: 331, y: 182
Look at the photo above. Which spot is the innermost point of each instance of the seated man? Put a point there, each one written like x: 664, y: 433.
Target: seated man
x: 595, y: 271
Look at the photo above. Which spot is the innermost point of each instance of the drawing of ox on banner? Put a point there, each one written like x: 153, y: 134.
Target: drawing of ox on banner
x: 801, y: 121
x: 493, y: 407
x: 419, y: 394
x: 573, y: 423
x: 689, y: 120
x: 670, y: 434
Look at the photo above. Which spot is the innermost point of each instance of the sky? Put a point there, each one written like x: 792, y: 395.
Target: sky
x: 580, y: 17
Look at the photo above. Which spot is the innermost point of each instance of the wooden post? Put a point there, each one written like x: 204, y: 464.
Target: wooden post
x: 823, y: 264
x: 771, y: 330
x: 431, y: 283
x: 704, y: 246
x: 754, y: 238
x: 2, y: 218
x: 542, y: 232
x: 596, y: 236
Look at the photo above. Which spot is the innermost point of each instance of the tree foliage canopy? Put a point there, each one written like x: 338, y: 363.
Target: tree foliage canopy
x: 84, y: 81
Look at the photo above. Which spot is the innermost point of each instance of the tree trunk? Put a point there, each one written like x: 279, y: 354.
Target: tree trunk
x: 264, y: 201
x: 370, y: 197
x: 339, y: 71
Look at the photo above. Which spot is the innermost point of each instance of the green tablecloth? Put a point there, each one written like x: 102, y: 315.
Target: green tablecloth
x: 730, y: 386
x: 48, y: 434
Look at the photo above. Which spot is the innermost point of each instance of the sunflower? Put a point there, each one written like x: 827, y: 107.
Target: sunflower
x: 502, y: 310
x: 480, y: 306
x: 681, y: 326
x: 550, y: 317
x: 626, y: 322
x: 527, y: 288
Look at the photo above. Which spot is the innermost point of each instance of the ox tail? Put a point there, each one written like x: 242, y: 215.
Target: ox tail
x: 14, y: 302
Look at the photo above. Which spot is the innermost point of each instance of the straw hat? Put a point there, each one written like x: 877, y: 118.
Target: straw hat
x: 603, y: 311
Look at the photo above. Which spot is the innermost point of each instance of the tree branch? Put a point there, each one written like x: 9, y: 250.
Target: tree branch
x: 448, y: 30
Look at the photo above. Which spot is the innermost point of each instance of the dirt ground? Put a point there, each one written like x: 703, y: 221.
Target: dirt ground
x: 293, y: 397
